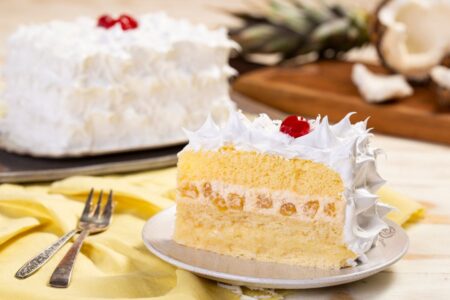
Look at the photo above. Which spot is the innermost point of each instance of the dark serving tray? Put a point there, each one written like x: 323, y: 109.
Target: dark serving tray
x: 24, y: 168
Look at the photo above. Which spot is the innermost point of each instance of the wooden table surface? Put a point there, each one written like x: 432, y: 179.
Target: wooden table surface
x: 417, y: 169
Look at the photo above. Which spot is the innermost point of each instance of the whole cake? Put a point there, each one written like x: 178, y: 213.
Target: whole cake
x: 98, y: 85
x: 297, y: 192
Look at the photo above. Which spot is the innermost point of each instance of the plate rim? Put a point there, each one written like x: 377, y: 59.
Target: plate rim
x: 271, y: 282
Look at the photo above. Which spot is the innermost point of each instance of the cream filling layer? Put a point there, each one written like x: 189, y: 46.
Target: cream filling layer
x: 224, y: 196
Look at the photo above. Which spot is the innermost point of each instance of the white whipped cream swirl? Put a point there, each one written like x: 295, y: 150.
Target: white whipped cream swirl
x: 344, y: 147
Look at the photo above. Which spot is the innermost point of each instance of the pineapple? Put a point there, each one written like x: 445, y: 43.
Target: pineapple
x: 291, y: 29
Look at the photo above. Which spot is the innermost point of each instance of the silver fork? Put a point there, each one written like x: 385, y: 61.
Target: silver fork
x: 43, y: 257
x: 91, y: 221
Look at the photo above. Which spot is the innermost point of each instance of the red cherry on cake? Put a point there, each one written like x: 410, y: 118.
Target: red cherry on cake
x: 295, y: 126
x: 106, y: 21
x: 127, y: 22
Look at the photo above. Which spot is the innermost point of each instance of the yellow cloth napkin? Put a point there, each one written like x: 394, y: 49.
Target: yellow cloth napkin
x: 114, y: 264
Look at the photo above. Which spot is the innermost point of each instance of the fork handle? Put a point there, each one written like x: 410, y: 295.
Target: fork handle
x: 63, y: 272
x: 39, y: 260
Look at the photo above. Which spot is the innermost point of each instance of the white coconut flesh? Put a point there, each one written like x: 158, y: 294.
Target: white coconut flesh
x: 441, y: 76
x: 376, y: 88
x: 416, y: 36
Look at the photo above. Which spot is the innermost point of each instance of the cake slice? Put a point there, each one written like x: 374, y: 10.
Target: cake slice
x: 298, y: 192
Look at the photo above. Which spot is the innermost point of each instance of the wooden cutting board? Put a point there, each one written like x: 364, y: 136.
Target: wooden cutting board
x: 326, y: 88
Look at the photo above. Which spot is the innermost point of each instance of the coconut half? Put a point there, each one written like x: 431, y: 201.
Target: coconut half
x: 413, y: 36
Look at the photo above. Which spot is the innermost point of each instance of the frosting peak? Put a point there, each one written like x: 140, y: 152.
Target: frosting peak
x: 344, y: 147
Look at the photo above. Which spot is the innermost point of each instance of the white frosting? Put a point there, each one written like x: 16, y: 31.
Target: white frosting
x: 73, y: 87
x: 344, y: 147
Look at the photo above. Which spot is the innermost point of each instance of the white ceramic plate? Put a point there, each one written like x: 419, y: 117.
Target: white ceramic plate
x: 157, y: 235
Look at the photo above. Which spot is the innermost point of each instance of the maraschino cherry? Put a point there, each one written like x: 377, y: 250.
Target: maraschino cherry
x: 295, y: 126
x: 126, y: 22
x: 106, y: 21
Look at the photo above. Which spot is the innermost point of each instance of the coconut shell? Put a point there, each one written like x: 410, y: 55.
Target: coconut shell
x: 442, y: 96
x: 377, y: 31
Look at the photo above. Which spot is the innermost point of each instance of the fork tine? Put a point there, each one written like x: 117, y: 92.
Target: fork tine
x: 99, y: 203
x: 87, y: 205
x: 107, y: 212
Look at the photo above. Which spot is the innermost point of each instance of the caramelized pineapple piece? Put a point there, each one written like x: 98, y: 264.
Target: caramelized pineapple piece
x: 310, y: 208
x: 189, y: 190
x: 219, y: 201
x: 206, y: 189
x: 236, y: 201
x: 288, y: 209
x: 330, y: 209
x: 264, y: 201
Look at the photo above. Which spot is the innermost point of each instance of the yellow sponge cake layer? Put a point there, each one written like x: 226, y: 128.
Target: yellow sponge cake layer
x: 254, y: 169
